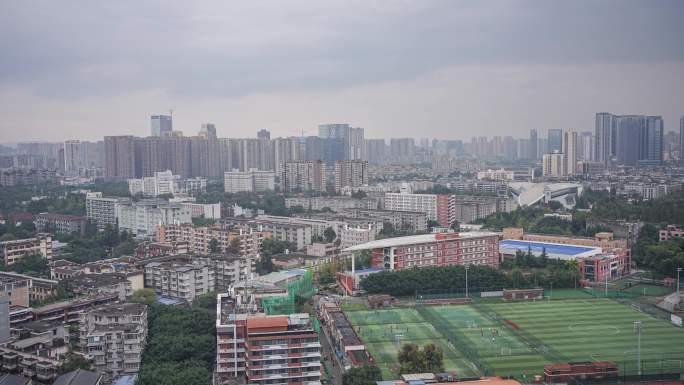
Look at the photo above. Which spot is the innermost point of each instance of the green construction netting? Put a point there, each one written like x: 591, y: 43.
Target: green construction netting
x: 301, y: 288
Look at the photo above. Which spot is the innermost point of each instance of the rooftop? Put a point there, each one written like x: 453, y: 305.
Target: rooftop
x: 78, y: 377
x: 417, y: 239
x: 553, y: 250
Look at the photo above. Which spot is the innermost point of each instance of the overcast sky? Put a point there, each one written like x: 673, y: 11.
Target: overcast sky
x: 445, y: 69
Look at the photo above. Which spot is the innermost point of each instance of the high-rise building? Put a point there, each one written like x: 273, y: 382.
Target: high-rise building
x: 681, y: 139
x: 341, y: 141
x: 585, y: 146
x: 72, y: 156
x: 555, y: 140
x: 532, y: 146
x: 353, y: 173
x: 510, y: 148
x: 651, y: 141
x: 208, y: 131
x: 638, y: 140
x: 161, y: 125
x: 285, y: 149
x: 402, y: 149
x: 376, y: 151
x: 604, y: 137
x: 303, y: 175
x: 570, y: 151
x: 264, y: 134
x: 554, y: 164
x: 120, y: 159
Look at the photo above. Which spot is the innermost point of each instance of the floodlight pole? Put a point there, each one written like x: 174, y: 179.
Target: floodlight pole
x: 637, y: 328
x: 607, y: 282
x: 466, y: 273
x: 679, y: 270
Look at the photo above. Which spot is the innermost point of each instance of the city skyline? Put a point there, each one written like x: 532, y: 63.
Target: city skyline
x: 444, y: 69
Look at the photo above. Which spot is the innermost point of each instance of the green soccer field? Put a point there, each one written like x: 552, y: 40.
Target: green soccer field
x: 519, y: 338
x: 383, y: 332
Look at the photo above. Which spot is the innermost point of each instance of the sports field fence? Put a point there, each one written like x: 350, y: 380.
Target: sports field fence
x: 455, y: 337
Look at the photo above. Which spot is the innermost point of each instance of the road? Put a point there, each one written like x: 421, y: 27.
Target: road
x: 328, y: 352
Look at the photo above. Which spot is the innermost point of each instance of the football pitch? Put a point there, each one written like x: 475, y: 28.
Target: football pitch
x: 519, y: 338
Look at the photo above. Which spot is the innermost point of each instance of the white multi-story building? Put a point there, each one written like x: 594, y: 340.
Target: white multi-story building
x: 199, y: 238
x: 101, y: 210
x: 335, y: 204
x: 229, y: 269
x: 180, y: 280
x: 162, y: 183
x: 142, y: 218
x: 554, y: 164
x: 113, y: 337
x: 437, y: 207
x: 352, y: 173
x: 248, y: 181
x: 352, y: 236
x: 496, y: 174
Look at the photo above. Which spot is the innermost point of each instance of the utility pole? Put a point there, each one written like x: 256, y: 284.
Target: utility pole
x: 679, y: 270
x: 466, y: 272
x: 607, y: 273
x: 637, y: 329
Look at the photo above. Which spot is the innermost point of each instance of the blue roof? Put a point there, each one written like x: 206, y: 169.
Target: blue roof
x: 125, y: 380
x: 539, y: 247
x: 369, y: 270
x: 164, y: 300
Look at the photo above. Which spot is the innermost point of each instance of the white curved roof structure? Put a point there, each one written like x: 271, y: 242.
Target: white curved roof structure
x: 530, y: 193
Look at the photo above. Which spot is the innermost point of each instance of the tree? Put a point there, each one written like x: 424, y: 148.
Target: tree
x: 410, y: 358
x: 434, y: 359
x: 34, y: 265
x: 207, y: 301
x: 214, y: 246
x: 414, y: 360
x: 329, y: 234
x: 144, y: 296
x: 264, y: 265
x: 359, y: 194
x: 365, y: 375
x: 72, y: 362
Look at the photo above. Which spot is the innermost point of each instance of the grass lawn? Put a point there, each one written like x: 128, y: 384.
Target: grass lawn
x: 599, y: 330
x: 644, y: 289
x: 382, y: 332
x: 580, y: 329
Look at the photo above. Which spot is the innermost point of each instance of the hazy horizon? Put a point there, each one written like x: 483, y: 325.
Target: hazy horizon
x: 438, y: 69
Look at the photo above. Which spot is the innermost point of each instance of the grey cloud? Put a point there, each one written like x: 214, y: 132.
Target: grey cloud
x: 76, y: 49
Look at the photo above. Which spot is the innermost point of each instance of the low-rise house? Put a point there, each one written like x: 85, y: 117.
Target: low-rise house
x: 92, y: 284
x: 186, y: 280
x: 113, y: 337
x: 80, y: 377
x: 60, y: 223
x: 13, y: 251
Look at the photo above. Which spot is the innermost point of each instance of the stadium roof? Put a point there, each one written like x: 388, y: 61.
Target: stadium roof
x: 413, y: 240
x: 553, y: 250
x: 530, y: 193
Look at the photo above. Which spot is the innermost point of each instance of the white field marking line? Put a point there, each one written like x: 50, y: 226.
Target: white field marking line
x: 572, y: 328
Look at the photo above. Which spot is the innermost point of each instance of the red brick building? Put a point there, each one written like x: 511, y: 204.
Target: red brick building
x: 278, y: 349
x: 436, y: 249
x: 614, y: 264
